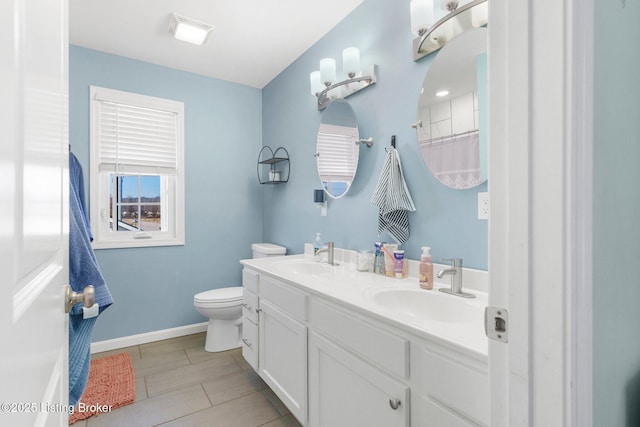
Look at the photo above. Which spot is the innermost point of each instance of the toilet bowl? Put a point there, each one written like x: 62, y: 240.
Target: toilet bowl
x: 223, y: 307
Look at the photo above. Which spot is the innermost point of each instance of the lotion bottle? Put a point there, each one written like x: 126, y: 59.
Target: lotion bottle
x: 425, y: 273
x: 398, y: 264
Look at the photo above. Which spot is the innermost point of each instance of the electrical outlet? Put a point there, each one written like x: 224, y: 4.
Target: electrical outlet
x: 483, y: 205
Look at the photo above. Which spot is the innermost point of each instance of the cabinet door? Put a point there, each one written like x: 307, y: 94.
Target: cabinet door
x: 250, y: 328
x: 283, y: 358
x: 250, y: 342
x: 346, y: 391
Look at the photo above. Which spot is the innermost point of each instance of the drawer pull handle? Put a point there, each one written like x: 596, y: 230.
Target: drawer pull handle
x: 247, y: 306
x: 394, y: 403
x: 247, y: 343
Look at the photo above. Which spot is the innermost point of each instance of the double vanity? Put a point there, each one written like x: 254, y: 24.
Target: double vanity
x: 341, y: 347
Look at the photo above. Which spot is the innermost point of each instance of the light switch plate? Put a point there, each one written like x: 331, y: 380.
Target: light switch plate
x: 483, y: 205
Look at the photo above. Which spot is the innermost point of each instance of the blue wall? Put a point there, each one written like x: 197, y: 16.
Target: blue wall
x: 153, y: 288
x: 445, y: 219
x: 616, y: 240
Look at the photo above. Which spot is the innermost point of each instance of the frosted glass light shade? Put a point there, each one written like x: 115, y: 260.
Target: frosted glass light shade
x: 189, y: 30
x: 421, y: 15
x: 479, y: 15
x: 316, y: 83
x: 328, y: 71
x: 351, y: 61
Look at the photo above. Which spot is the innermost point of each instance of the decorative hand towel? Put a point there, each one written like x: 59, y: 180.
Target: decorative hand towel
x: 83, y: 271
x: 393, y: 199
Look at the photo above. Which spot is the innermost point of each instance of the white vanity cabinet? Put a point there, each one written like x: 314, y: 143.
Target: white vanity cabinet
x: 336, y: 365
x: 283, y: 343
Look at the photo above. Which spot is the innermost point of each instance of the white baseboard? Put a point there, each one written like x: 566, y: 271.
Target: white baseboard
x: 116, y: 343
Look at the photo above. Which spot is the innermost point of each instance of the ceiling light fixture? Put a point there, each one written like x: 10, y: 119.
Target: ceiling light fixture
x: 189, y: 30
x: 442, y: 93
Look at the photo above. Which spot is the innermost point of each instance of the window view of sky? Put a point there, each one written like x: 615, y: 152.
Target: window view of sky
x: 149, y: 186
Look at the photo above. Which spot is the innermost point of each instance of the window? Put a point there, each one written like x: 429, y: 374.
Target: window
x: 136, y: 170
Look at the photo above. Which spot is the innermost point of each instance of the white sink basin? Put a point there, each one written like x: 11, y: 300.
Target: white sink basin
x: 303, y: 267
x: 427, y: 305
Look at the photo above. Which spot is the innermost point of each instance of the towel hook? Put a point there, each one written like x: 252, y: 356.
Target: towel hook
x: 393, y: 143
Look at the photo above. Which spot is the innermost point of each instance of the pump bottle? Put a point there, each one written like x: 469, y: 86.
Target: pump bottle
x: 425, y: 271
x: 317, y: 245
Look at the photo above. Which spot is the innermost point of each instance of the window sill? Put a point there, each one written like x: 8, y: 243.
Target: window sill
x: 137, y: 243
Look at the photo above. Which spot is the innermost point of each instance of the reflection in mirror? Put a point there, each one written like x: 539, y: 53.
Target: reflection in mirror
x: 452, y: 113
x: 336, y: 150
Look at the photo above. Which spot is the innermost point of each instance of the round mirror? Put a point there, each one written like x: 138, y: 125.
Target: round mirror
x: 336, y: 149
x: 452, y: 112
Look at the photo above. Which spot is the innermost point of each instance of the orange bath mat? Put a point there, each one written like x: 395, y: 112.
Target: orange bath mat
x: 111, y: 384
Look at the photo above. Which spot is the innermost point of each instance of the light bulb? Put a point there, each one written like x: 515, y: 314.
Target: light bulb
x: 316, y: 83
x: 421, y: 16
x: 328, y: 71
x: 351, y: 61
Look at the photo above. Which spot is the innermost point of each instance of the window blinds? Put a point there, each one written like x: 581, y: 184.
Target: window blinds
x: 135, y: 139
x: 337, y: 156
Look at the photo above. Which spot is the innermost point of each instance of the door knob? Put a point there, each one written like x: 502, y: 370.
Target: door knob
x: 87, y: 296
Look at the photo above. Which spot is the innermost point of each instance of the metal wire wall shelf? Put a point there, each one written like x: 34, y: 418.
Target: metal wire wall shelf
x: 273, y: 166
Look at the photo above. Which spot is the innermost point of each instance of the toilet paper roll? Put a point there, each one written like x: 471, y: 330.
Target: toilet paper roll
x: 88, y: 313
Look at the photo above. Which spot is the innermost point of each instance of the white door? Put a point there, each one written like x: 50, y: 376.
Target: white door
x: 540, y: 133
x: 33, y: 212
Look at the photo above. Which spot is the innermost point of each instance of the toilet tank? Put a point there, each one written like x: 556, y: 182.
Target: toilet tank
x: 263, y: 250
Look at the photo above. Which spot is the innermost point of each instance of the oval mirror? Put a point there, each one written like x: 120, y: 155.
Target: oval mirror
x: 336, y: 149
x: 452, y: 112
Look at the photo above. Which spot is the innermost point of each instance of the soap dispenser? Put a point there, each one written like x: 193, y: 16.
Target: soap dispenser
x: 317, y: 244
x: 425, y: 272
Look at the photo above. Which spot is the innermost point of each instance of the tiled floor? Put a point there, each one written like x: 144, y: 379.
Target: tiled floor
x: 180, y: 384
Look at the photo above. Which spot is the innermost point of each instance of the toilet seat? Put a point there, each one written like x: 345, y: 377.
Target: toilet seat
x: 222, y: 297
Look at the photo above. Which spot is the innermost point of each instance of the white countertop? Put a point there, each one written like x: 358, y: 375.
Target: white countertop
x: 346, y: 286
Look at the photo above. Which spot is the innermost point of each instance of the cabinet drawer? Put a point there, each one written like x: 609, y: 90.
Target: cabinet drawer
x: 250, y: 305
x: 250, y: 342
x: 372, y: 343
x: 456, y: 384
x: 292, y: 301
x: 250, y: 280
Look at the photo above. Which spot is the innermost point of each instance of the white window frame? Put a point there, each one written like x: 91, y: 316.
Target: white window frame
x: 171, y: 186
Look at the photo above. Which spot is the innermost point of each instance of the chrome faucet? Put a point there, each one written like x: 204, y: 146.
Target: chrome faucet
x: 329, y: 250
x: 456, y: 278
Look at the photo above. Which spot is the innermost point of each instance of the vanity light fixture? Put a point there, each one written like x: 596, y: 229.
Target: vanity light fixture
x: 189, y: 30
x: 324, y: 84
x: 474, y: 14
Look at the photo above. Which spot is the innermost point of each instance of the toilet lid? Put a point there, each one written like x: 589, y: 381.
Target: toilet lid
x: 233, y: 293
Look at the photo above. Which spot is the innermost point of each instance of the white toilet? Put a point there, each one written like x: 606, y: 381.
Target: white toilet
x: 223, y: 307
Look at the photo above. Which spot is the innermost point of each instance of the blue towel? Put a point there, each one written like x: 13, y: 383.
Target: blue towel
x: 83, y: 271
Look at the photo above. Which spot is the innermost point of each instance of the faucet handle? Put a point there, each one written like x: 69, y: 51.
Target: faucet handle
x: 455, y: 262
